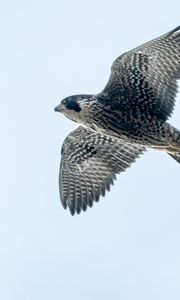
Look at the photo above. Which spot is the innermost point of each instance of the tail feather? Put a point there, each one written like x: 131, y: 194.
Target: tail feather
x: 176, y: 140
x: 176, y: 156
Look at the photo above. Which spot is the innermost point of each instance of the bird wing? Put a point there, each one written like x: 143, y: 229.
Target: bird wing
x: 146, y: 77
x: 89, y: 164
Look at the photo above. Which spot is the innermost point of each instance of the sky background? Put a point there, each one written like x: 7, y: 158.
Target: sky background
x: 128, y: 245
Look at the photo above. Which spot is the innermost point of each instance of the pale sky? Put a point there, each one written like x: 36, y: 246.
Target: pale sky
x: 128, y: 245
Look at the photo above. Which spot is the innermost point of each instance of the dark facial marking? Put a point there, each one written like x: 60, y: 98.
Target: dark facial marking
x: 71, y: 104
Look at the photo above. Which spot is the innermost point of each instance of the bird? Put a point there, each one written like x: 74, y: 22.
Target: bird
x: 120, y: 123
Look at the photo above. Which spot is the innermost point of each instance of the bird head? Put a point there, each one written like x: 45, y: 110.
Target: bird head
x: 75, y: 107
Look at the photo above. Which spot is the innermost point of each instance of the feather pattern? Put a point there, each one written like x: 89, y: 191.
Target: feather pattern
x: 145, y: 78
x: 118, y: 124
x: 89, y: 164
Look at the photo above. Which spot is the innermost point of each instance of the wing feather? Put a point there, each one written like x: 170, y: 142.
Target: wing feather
x: 89, y: 164
x: 145, y: 78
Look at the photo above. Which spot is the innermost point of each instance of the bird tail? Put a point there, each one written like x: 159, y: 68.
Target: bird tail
x: 176, y: 156
x: 174, y: 148
x: 175, y: 143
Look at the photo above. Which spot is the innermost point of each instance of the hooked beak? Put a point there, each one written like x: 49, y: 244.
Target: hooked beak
x: 59, y: 108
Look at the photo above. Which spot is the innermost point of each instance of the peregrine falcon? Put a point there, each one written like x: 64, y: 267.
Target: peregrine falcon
x: 121, y: 122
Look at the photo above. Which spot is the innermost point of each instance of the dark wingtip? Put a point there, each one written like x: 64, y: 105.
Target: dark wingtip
x: 72, y: 211
x: 71, y: 207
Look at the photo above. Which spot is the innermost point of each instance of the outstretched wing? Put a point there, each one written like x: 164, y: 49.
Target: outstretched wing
x: 145, y: 78
x: 89, y: 164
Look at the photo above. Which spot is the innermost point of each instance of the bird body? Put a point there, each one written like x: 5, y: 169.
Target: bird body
x: 119, y: 123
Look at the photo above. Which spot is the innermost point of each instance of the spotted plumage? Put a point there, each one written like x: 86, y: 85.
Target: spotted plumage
x: 118, y: 124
